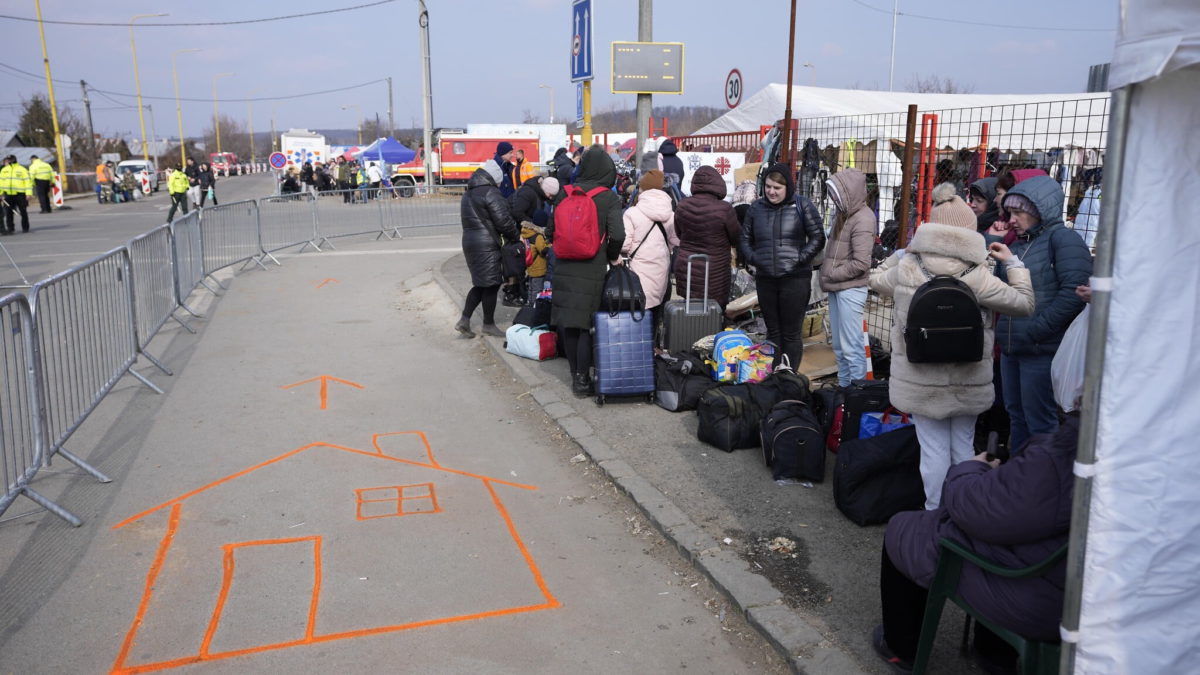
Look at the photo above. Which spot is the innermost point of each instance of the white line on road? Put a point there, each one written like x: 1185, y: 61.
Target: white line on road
x: 63, y: 253
x: 395, y: 252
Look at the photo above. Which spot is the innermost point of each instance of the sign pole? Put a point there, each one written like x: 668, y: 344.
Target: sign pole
x: 645, y: 102
x: 585, y: 136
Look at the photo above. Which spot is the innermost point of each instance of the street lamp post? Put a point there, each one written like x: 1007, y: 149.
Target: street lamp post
x: 359, y: 129
x: 812, y: 74
x: 178, y: 109
x: 62, y: 163
x: 137, y: 82
x: 546, y: 86
x: 216, y: 117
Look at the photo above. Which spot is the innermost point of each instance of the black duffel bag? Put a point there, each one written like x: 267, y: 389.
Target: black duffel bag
x: 537, y: 314
x: 729, y: 417
x: 623, y: 292
x: 876, y: 478
x: 680, y: 379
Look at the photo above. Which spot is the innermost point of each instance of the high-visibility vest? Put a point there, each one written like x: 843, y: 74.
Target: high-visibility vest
x: 178, y: 183
x: 40, y: 170
x: 14, y: 179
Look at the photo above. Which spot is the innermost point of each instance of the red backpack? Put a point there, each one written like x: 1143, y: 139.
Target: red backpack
x: 577, y: 233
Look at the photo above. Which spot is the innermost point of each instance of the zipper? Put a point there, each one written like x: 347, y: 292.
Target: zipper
x: 778, y: 433
x: 926, y: 331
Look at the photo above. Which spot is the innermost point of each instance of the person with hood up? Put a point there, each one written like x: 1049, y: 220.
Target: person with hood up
x: 706, y: 224
x: 946, y: 398
x: 846, y: 271
x: 649, y: 239
x: 782, y: 234
x: 1016, y: 514
x: 671, y: 164
x: 207, y: 181
x: 1058, y: 262
x: 530, y: 199
x: 561, y: 166
x: 981, y: 197
x: 503, y: 159
x: 485, y: 219
x: 578, y: 284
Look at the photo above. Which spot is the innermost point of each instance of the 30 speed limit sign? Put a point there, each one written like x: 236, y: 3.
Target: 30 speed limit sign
x: 733, y: 88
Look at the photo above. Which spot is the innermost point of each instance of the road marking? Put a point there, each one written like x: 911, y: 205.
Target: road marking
x: 59, y: 255
x: 456, y: 249
x: 324, y: 379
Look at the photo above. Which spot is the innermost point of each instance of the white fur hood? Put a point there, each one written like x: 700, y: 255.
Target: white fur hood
x: 946, y: 249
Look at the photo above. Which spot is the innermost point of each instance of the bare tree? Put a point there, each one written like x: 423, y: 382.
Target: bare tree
x: 36, y: 128
x: 234, y: 138
x: 530, y: 117
x: 936, y: 84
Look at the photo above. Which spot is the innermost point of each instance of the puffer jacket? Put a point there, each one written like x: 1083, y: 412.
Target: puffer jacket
x: 848, y: 253
x: 986, y: 187
x: 942, y: 390
x: 561, y: 167
x: 1058, y: 261
x: 671, y: 163
x: 706, y: 224
x: 578, y: 284
x: 1016, y: 515
x: 527, y: 200
x: 652, y: 263
x: 775, y: 239
x: 485, y: 219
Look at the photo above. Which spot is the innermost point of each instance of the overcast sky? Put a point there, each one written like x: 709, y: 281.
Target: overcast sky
x: 489, y: 57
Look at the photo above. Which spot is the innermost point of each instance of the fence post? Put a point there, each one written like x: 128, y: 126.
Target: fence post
x: 906, y: 184
x: 262, y: 247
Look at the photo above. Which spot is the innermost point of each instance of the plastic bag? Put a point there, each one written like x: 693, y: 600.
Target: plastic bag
x: 1067, y: 368
x: 875, y: 423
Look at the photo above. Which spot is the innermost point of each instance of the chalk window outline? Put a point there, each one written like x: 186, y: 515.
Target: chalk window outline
x: 413, y: 495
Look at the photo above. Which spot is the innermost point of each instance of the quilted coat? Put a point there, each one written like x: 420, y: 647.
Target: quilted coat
x: 848, y: 252
x: 706, y: 224
x: 652, y: 263
x: 775, y: 239
x: 485, y: 218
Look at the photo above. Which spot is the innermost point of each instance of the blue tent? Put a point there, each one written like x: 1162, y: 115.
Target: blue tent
x: 387, y: 150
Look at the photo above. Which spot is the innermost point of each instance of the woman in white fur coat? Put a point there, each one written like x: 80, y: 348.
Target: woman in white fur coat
x: 652, y: 263
x: 945, y: 398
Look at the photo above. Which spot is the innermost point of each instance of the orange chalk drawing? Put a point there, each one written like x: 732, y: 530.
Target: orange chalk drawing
x: 328, y: 281
x: 390, y: 500
x: 325, y: 380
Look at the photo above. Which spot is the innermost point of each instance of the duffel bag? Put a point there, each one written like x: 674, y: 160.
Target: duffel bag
x: 729, y: 417
x: 680, y: 379
x: 530, y: 342
x: 876, y: 478
x: 792, y: 442
x: 536, y: 315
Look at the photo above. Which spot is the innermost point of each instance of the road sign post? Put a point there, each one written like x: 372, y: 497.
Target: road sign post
x: 583, y: 63
x: 278, y: 160
x: 733, y: 88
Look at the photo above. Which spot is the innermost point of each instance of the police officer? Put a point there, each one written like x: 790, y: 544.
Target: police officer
x: 16, y: 188
x: 43, y: 177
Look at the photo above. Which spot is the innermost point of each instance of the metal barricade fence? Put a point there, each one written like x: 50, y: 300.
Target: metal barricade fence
x: 22, y: 441
x: 229, y: 235
x: 435, y: 206
x: 154, y: 291
x: 345, y: 213
x: 285, y: 221
x: 188, y: 254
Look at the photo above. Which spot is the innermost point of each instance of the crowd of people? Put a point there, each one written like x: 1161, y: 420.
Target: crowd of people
x: 1003, y: 238
x: 356, y: 181
x: 18, y: 185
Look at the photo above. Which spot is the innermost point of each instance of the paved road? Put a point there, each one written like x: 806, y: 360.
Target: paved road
x: 425, y: 517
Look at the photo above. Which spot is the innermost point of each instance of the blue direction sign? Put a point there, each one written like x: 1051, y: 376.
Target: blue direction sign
x: 579, y: 103
x: 581, y: 41
x: 278, y: 160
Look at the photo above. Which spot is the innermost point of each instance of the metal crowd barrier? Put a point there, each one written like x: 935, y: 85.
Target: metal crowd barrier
x: 151, y: 260
x: 286, y: 221
x: 229, y: 235
x: 188, y: 255
x: 345, y: 213
x: 436, y: 206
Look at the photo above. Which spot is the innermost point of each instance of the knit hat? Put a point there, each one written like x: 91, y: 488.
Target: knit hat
x: 651, y: 180
x: 950, y: 209
x: 550, y: 186
x: 503, y: 148
x: 745, y: 193
x: 1019, y: 202
x: 493, y: 170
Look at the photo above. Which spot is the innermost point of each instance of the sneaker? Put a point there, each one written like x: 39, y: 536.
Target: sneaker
x: 492, y: 329
x: 464, y: 326
x: 898, y: 665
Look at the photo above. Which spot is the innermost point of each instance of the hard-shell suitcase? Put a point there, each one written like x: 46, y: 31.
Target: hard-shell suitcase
x: 624, y: 348
x: 686, y: 321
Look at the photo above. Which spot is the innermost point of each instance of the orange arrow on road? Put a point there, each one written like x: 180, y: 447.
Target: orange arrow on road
x: 324, y: 386
x: 331, y: 279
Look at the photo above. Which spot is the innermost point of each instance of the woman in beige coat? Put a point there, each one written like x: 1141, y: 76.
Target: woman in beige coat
x: 945, y: 398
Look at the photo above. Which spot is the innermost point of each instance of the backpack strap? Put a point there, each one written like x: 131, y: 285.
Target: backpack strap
x: 930, y: 275
x: 659, y: 225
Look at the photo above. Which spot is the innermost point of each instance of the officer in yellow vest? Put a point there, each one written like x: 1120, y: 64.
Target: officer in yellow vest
x: 43, y: 178
x: 178, y: 184
x: 16, y: 188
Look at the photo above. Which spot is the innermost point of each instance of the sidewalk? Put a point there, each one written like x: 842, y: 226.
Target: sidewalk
x: 818, y: 602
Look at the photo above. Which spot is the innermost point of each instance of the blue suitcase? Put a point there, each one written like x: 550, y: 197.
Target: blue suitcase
x: 624, y: 348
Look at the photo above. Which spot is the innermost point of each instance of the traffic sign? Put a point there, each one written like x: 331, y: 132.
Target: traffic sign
x: 278, y: 160
x: 647, y: 67
x: 581, y: 41
x: 733, y: 88
x: 579, y: 103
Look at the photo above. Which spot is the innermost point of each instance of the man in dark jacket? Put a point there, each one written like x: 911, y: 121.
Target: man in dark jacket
x: 671, y: 164
x: 1058, y: 262
x: 530, y: 199
x: 561, y: 166
x: 485, y: 219
x: 503, y: 159
x: 981, y: 197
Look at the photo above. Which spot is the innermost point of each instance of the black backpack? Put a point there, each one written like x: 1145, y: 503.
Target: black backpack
x: 680, y: 379
x: 792, y: 442
x: 945, y: 323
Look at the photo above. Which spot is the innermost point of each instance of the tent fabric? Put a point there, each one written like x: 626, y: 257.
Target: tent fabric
x: 387, y: 150
x: 1157, y: 37
x: 1140, y: 610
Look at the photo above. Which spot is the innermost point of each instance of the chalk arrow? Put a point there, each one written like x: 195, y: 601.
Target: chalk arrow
x: 327, y: 281
x: 324, y: 380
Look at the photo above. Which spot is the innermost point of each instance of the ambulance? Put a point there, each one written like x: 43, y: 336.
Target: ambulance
x: 457, y: 155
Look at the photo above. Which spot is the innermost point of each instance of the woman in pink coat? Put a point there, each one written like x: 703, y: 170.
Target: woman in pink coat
x: 649, y: 245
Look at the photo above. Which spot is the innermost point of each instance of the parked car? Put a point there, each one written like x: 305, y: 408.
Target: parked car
x: 139, y: 165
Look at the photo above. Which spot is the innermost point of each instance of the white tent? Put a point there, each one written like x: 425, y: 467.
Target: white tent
x: 1136, y: 527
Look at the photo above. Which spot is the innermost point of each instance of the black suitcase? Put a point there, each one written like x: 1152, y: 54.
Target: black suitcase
x: 861, y: 396
x: 876, y: 478
x: 792, y: 442
x: 624, y: 349
x: 684, y: 320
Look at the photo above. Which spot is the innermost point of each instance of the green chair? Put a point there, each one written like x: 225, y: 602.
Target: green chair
x: 1035, y: 658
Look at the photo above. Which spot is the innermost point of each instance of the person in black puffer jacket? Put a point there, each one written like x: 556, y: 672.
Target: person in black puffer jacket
x: 671, y: 164
x: 485, y: 219
x: 981, y: 197
x: 562, y: 166
x: 781, y: 236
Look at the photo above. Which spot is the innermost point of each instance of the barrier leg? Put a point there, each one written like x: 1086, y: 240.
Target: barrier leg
x: 205, y: 283
x: 273, y: 258
x: 52, y: 507
x: 143, y: 380
x: 156, y: 362
x: 189, y: 310
x: 93, y: 471
x: 183, y: 323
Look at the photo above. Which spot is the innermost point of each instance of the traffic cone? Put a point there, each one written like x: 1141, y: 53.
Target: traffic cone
x: 867, y: 347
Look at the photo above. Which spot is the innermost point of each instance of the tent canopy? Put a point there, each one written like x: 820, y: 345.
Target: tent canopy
x: 387, y: 150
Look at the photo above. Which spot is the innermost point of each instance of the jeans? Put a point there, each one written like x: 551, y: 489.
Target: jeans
x: 944, y: 443
x: 1028, y: 397
x: 784, y: 302
x: 846, y: 326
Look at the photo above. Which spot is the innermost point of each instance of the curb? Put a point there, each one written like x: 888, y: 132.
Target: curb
x: 798, y: 641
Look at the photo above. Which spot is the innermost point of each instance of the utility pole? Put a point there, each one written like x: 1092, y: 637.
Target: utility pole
x: 427, y: 135
x: 391, y: 117
x: 645, y: 102
x: 153, y: 131
x: 892, y: 66
x: 785, y: 152
x: 87, y: 106
x: 273, y: 136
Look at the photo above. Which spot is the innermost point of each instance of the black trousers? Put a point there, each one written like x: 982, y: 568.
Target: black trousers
x: 577, y: 343
x: 485, y: 295
x: 42, y: 188
x: 784, y: 302
x: 178, y: 199
x: 344, y: 186
x: 204, y: 195
x: 16, y: 203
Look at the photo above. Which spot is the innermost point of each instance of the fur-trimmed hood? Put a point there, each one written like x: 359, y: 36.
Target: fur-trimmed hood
x: 947, y: 249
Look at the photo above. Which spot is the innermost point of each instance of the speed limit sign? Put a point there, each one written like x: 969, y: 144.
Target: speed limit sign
x: 733, y: 88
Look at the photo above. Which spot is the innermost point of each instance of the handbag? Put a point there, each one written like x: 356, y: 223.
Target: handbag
x: 623, y: 292
x: 875, y: 423
x: 531, y: 342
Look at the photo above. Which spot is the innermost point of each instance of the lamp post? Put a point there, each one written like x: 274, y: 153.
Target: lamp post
x: 62, y: 163
x: 216, y: 118
x: 137, y: 83
x: 546, y: 86
x: 359, y: 129
x: 178, y: 109
x: 250, y: 122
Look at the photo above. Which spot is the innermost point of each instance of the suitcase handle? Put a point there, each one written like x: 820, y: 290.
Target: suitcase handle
x: 687, y: 297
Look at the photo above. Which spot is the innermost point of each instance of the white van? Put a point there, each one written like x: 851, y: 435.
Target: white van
x: 139, y: 165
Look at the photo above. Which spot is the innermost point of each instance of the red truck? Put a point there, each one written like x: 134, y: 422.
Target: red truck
x: 457, y: 156
x: 223, y: 163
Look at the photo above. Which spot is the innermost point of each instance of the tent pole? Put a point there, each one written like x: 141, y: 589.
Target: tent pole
x: 1085, y: 459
